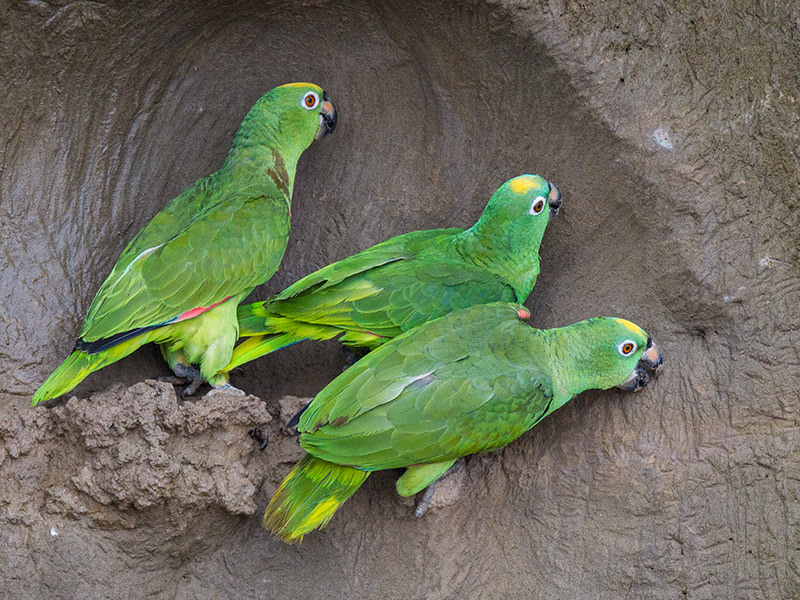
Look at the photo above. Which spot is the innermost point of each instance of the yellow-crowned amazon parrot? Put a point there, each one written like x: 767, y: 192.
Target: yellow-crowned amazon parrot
x: 179, y: 281
x: 471, y: 381
x: 372, y: 296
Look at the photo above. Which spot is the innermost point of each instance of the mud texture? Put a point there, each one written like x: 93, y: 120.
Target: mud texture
x: 670, y: 127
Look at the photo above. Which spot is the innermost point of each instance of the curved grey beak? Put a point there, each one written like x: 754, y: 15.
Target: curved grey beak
x: 327, y: 117
x: 648, y: 367
x: 554, y: 200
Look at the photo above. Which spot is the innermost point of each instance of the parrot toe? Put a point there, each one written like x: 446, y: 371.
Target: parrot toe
x: 186, y: 372
x: 188, y: 376
x: 352, y: 356
x: 445, y: 491
x: 426, y: 501
x: 226, y: 388
x: 193, y: 386
x: 262, y: 437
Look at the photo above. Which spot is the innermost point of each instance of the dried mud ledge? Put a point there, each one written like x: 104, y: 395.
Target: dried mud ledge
x: 672, y: 134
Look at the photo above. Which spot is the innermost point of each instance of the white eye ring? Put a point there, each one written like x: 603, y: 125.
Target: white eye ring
x: 310, y: 96
x: 621, y: 347
x: 537, y: 201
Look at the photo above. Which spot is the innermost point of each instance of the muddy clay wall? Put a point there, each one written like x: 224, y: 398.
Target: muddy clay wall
x: 672, y: 131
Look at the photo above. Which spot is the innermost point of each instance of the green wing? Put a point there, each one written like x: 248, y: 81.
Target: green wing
x: 180, y: 262
x: 388, y: 251
x: 382, y: 291
x: 464, y: 383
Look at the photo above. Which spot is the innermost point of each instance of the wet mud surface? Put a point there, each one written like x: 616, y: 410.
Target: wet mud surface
x: 672, y: 133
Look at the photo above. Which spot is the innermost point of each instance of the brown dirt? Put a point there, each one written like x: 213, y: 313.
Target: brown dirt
x: 672, y: 130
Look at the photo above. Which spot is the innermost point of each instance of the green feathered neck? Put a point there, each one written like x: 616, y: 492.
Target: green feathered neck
x: 576, y: 364
x: 268, y: 143
x: 494, y: 243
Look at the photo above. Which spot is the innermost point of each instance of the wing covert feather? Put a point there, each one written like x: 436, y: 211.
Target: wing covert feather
x: 460, y: 396
x: 222, y: 252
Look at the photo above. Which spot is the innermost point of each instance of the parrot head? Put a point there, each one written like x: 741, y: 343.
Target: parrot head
x: 527, y: 194
x: 521, y: 209
x: 613, y: 352
x: 289, y: 117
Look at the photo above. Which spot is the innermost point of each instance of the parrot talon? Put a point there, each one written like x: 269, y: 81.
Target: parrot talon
x: 193, y: 386
x: 188, y: 376
x: 261, y: 438
x: 292, y: 424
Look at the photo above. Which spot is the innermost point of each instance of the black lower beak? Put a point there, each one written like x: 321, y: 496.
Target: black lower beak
x: 638, y: 379
x: 646, y: 369
x: 327, y: 117
x: 554, y: 200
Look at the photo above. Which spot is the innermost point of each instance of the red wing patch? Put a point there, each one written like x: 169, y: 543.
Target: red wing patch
x: 197, y: 311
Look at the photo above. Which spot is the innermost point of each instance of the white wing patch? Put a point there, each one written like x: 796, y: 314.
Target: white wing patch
x: 142, y: 255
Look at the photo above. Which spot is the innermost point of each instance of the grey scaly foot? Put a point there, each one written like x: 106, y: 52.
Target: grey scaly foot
x: 193, y: 386
x: 261, y: 437
x: 186, y: 372
x: 444, y: 491
x: 425, y: 503
x: 191, y: 376
x: 228, y: 388
x: 352, y: 356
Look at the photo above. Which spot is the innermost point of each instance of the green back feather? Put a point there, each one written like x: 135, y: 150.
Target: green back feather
x: 394, y: 286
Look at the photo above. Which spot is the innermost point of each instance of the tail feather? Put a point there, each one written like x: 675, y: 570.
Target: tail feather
x: 309, y: 495
x: 68, y: 374
x: 79, y: 364
x: 259, y: 345
x: 253, y: 318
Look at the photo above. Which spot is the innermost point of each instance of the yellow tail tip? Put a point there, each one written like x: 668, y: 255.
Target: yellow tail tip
x: 309, y: 496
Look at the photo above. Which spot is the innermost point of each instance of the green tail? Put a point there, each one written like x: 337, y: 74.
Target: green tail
x: 252, y: 318
x: 309, y: 495
x: 259, y: 345
x: 78, y: 365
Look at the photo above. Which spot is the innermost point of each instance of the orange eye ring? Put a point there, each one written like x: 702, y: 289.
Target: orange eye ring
x: 627, y: 347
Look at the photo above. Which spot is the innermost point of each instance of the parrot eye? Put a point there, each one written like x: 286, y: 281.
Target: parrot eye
x: 627, y: 347
x: 310, y: 101
x: 537, y: 206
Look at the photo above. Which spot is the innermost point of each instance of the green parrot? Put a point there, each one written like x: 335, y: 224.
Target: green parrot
x: 179, y: 281
x: 375, y: 295
x: 471, y: 381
